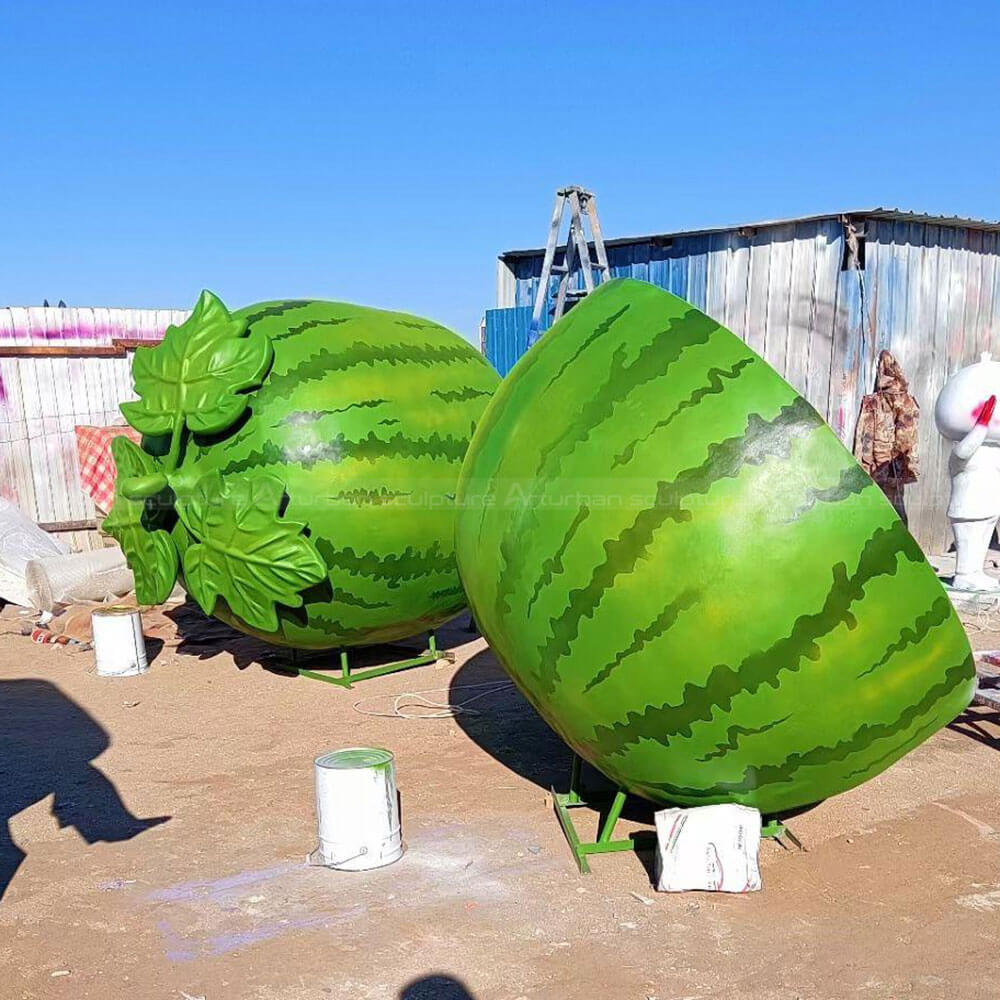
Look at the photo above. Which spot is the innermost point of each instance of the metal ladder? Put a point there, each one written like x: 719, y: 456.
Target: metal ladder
x: 580, y: 203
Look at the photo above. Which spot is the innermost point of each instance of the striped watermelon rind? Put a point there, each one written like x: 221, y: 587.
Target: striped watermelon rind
x: 688, y: 575
x: 364, y: 417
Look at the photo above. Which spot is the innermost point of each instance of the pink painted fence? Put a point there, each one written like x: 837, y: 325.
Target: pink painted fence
x: 44, y: 397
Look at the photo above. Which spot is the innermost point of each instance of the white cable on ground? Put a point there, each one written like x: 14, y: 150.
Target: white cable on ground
x: 426, y: 708
x: 978, y: 614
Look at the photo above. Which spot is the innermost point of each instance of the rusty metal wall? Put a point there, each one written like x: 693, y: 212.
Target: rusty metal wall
x: 932, y: 297
x: 930, y: 293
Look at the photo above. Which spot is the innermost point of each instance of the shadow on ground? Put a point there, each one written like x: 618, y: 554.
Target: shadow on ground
x: 435, y: 987
x: 512, y: 732
x: 204, y: 637
x: 507, y: 727
x: 47, y: 742
x: 970, y: 723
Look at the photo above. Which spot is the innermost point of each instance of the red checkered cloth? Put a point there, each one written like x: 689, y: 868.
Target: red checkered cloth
x: 97, y: 467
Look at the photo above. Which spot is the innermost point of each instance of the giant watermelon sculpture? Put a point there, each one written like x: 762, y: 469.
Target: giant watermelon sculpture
x: 688, y: 575
x: 299, y: 467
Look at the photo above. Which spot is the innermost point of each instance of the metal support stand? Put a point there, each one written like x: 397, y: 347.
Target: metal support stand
x: 773, y: 828
x: 348, y: 677
x: 574, y: 798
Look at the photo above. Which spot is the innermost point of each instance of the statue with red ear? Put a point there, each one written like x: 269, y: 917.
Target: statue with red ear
x: 965, y: 414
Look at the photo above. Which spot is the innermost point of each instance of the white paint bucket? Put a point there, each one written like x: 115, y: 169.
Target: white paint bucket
x: 358, y: 809
x: 118, y: 643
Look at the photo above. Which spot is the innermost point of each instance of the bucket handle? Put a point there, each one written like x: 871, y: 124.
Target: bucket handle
x: 332, y: 864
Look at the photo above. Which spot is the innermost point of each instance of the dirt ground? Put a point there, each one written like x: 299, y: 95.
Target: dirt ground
x: 195, y: 785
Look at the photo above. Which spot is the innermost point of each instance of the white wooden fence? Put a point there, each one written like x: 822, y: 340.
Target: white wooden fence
x: 61, y: 367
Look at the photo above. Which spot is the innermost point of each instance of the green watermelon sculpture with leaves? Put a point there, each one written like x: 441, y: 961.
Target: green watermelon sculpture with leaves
x: 688, y: 575
x: 298, y: 469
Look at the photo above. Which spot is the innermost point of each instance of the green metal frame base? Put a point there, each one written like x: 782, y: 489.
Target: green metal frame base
x: 773, y: 828
x: 605, y: 843
x: 348, y: 677
x: 564, y: 801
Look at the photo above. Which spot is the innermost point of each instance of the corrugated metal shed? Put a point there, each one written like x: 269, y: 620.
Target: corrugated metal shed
x: 61, y: 367
x: 928, y: 289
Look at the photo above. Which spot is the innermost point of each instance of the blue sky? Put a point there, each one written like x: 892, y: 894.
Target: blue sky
x: 385, y: 153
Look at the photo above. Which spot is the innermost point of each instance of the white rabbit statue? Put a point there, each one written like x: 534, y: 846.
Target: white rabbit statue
x: 964, y: 413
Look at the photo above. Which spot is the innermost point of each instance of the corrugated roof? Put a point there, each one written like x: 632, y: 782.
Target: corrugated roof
x: 887, y: 214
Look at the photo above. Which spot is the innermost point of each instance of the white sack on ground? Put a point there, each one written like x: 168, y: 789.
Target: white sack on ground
x: 21, y: 541
x: 709, y: 847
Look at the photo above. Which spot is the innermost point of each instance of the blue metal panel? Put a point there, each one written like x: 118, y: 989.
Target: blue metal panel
x: 659, y: 271
x: 677, y: 280
x: 640, y: 262
x: 679, y: 266
x: 506, y: 336
x: 696, y: 251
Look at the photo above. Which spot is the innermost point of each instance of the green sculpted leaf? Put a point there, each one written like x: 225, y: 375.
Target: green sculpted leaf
x: 130, y: 459
x: 246, y: 552
x: 198, y: 372
x: 149, y: 550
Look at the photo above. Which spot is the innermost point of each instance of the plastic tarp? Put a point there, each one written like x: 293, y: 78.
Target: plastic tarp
x: 20, y: 541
